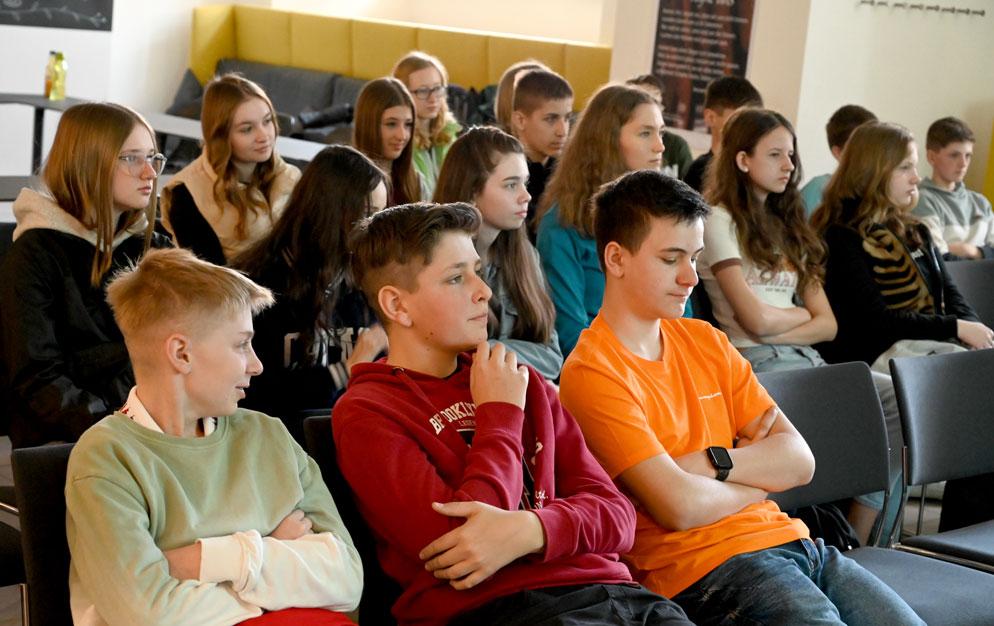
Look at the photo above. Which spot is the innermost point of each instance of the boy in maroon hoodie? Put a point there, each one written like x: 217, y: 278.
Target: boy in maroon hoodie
x: 486, y: 506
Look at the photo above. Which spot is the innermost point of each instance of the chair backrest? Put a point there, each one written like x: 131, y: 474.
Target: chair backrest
x: 974, y: 280
x: 379, y: 592
x: 947, y: 414
x: 39, y: 483
x: 837, y: 411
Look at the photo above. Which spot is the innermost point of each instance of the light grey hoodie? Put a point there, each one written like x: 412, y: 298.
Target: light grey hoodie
x: 953, y: 216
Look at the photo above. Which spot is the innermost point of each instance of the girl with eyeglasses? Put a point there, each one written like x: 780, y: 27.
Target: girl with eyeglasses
x: 489, y: 171
x: 434, y: 127
x: 382, y: 130
x: 229, y: 197
x: 320, y: 325
x: 64, y: 359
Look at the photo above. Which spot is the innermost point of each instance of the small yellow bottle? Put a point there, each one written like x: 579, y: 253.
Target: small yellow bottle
x: 58, y: 91
x: 49, y: 73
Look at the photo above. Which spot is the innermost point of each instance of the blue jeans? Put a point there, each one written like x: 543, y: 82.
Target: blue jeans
x: 802, y: 582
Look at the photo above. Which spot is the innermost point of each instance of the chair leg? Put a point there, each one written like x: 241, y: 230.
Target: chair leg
x: 921, y: 511
x: 25, y: 614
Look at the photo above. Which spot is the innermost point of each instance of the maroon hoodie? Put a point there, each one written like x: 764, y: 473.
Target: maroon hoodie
x: 401, y: 440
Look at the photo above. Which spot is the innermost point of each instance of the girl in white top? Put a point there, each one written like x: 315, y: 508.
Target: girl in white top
x: 763, y: 267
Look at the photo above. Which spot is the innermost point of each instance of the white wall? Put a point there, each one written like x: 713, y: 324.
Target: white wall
x: 577, y: 20
x: 908, y: 67
x: 139, y: 63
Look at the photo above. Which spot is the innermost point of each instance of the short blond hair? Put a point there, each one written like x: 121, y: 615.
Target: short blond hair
x: 173, y: 286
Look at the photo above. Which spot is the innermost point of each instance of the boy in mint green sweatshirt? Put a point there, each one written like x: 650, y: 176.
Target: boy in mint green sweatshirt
x: 181, y: 507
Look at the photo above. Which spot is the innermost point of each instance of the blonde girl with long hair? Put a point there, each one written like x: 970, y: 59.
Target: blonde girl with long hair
x: 230, y: 196
x: 620, y: 131
x: 434, y: 127
x: 64, y: 358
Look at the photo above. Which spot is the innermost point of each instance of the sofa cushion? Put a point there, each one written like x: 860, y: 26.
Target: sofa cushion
x: 291, y: 89
x: 188, y: 98
x: 347, y: 90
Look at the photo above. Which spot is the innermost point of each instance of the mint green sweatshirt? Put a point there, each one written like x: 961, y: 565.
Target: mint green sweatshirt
x: 132, y: 493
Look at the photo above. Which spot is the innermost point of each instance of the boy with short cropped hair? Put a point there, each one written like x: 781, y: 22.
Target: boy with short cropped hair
x: 181, y: 507
x: 722, y: 97
x: 485, y: 503
x: 676, y: 416
x: 842, y: 123
x: 959, y: 219
x: 676, y: 153
x: 541, y: 110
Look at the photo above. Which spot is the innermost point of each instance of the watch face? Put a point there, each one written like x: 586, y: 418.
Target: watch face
x: 720, y: 458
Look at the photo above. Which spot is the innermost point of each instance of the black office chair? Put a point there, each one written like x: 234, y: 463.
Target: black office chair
x: 379, y: 591
x: 837, y: 410
x: 975, y: 280
x: 39, y: 482
x: 947, y: 416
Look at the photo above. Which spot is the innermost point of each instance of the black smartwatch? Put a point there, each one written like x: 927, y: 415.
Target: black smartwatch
x: 721, y: 461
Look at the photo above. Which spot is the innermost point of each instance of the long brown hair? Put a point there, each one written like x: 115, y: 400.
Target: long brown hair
x: 856, y: 196
x: 504, y: 98
x: 438, y: 134
x: 79, y: 173
x: 376, y: 97
x: 311, y: 235
x: 472, y: 159
x: 592, y: 156
x: 777, y: 230
x: 222, y: 97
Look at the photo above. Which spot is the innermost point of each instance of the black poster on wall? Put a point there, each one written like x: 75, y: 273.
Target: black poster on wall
x: 696, y: 42
x: 79, y: 14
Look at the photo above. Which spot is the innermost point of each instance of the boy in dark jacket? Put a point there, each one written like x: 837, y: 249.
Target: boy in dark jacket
x: 483, y: 498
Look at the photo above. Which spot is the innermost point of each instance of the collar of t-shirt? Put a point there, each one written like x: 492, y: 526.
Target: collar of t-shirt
x: 134, y: 409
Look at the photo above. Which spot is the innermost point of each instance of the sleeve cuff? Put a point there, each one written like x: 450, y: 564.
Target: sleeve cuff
x: 235, y: 558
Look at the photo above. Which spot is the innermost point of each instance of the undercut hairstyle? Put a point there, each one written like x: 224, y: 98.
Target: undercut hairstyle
x: 856, y: 195
x: 79, y: 173
x: 504, y: 98
x: 222, y: 97
x: 536, y: 87
x: 310, y: 239
x: 471, y: 161
x: 624, y: 208
x: 647, y: 80
x: 592, y: 156
x: 394, y: 245
x: 946, y: 131
x: 847, y: 119
x: 437, y: 133
x: 375, y: 98
x: 774, y: 235
x: 731, y: 92
x: 173, y: 286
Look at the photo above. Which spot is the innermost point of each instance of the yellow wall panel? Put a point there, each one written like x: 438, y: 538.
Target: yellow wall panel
x: 503, y: 52
x: 262, y: 35
x: 587, y: 68
x: 212, y: 38
x: 321, y: 43
x: 377, y: 45
x: 463, y: 54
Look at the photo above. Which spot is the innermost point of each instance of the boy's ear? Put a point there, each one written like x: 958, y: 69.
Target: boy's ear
x: 394, y: 305
x: 931, y: 156
x: 518, y: 122
x: 178, y: 353
x: 710, y: 118
x: 614, y: 259
x: 837, y: 152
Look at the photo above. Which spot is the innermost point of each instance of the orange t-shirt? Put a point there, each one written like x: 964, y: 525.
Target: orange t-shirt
x: 699, y: 394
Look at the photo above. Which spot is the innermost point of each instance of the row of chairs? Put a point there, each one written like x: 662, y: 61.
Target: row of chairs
x: 947, y: 417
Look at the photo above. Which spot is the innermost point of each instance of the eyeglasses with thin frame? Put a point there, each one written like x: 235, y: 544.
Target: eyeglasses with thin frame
x: 424, y: 93
x: 136, y: 162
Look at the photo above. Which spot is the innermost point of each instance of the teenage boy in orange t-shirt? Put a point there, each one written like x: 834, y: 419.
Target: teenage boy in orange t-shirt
x: 678, y: 419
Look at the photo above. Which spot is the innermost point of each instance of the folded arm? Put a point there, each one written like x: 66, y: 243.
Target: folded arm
x: 821, y: 327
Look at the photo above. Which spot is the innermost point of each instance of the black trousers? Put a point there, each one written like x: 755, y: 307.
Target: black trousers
x: 577, y: 605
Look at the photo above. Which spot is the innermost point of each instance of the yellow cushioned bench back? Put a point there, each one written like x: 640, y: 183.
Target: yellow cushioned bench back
x: 367, y: 48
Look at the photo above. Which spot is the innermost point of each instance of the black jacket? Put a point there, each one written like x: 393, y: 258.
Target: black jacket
x: 64, y: 361
x: 867, y: 328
